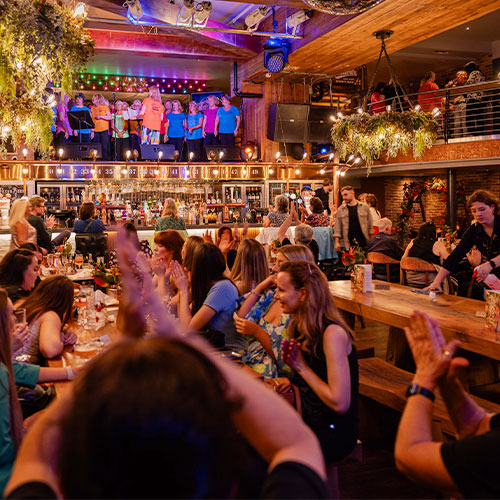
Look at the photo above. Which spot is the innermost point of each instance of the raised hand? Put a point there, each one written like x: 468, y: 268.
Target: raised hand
x: 20, y: 336
x: 179, y: 276
x: 292, y: 355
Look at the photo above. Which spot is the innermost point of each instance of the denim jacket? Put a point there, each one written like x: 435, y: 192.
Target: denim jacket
x: 341, y: 229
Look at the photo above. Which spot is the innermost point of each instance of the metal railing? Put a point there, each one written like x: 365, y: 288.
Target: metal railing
x: 465, y: 112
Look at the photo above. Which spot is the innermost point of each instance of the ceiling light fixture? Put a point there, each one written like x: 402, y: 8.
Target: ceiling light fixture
x: 134, y: 10
x: 201, y: 14
x: 296, y: 19
x: 185, y: 15
x: 253, y: 19
x: 275, y: 54
x: 80, y: 10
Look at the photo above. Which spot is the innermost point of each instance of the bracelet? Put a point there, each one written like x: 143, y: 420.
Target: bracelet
x: 492, y: 264
x: 253, y: 292
x: 70, y: 372
x: 414, y: 389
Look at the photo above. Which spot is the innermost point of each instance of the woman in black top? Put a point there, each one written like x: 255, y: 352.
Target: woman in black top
x: 484, y: 234
x: 19, y: 271
x: 323, y: 357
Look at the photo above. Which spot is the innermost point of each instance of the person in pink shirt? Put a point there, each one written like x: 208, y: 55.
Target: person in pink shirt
x: 378, y: 99
x: 209, y: 116
x: 429, y: 100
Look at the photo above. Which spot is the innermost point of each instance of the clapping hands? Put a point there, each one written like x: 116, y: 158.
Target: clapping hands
x: 292, y: 355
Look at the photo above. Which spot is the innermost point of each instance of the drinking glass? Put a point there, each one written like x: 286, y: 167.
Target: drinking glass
x: 20, y: 315
x: 79, y: 260
x: 50, y: 260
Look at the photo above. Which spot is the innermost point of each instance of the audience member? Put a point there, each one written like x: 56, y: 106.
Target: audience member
x: 323, y: 356
x: 317, y: 218
x: 377, y: 99
x: 384, y: 243
x: 170, y: 217
x: 353, y: 222
x: 21, y: 231
x: 461, y: 468
x: 484, y: 234
x: 458, y: 105
x: 371, y: 201
x: 86, y: 223
x: 44, y: 228
x: 19, y: 271
x: 250, y: 266
x: 476, y: 106
x: 191, y: 243
x: 278, y: 216
x: 427, y: 98
x: 426, y: 247
x: 49, y: 312
x: 212, y: 298
x: 168, y: 248
x: 323, y: 193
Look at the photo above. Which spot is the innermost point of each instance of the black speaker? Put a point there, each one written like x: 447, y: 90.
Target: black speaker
x: 231, y: 153
x: 320, y: 124
x: 79, y: 150
x: 287, y: 122
x: 150, y: 151
x: 293, y: 149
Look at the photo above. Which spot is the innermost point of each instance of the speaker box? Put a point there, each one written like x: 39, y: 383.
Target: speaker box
x: 150, y: 151
x: 288, y: 122
x: 294, y: 150
x: 320, y: 124
x: 79, y: 150
x: 231, y: 153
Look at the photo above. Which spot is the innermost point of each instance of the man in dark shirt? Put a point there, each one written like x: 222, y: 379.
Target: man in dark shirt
x: 44, y: 230
x: 324, y: 194
x: 384, y: 243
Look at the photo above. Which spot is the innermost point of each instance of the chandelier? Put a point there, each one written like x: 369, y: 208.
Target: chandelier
x: 342, y: 7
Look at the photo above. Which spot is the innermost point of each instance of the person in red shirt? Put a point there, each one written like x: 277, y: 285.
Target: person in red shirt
x: 429, y: 100
x: 377, y: 99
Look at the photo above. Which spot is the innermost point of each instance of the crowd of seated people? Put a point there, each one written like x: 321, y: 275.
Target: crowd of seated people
x: 120, y: 127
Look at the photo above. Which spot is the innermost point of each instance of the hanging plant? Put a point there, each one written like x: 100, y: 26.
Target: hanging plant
x: 368, y: 136
x: 42, y: 43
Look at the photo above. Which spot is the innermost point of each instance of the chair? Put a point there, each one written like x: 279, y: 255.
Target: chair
x: 415, y: 264
x: 332, y: 469
x: 380, y: 258
x: 95, y: 244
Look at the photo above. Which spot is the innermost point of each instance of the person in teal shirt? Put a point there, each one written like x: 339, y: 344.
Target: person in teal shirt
x: 227, y: 122
x: 175, y: 127
x: 83, y: 134
x: 194, y: 129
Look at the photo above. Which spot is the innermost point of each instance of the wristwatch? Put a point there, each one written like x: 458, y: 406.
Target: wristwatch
x: 414, y: 389
x: 492, y: 264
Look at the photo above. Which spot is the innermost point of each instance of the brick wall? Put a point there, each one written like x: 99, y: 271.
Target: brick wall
x: 434, y: 205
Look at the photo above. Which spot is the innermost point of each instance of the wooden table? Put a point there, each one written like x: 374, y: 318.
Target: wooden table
x: 456, y: 315
x: 67, y: 356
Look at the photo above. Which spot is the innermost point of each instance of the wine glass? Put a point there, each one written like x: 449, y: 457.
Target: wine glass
x: 79, y: 260
x: 50, y: 260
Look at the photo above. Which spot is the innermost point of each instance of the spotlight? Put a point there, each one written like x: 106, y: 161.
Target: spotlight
x: 342, y: 174
x: 191, y: 156
x: 80, y: 10
x: 253, y: 19
x: 59, y: 170
x: 157, y: 171
x: 271, y: 171
x: 186, y: 12
x: 304, y: 156
x: 25, y: 153
x: 124, y: 171
x: 322, y: 171
x: 330, y: 156
x: 60, y: 152
x: 248, y: 151
x: 25, y: 170
x: 202, y: 14
x: 296, y: 19
x: 134, y: 12
x: 275, y: 54
x: 244, y: 171
x: 211, y: 155
x: 215, y: 172
x: 297, y: 171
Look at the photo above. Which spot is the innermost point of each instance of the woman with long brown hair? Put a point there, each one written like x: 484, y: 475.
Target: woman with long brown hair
x: 250, y: 266
x: 322, y: 355
x: 49, y: 311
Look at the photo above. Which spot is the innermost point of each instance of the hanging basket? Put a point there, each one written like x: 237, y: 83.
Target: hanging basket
x: 368, y: 136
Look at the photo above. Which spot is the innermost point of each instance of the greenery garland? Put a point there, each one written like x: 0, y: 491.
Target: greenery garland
x: 367, y: 136
x: 42, y: 44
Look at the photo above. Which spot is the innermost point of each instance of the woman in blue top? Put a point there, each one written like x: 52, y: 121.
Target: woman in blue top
x: 194, y: 129
x: 175, y: 127
x: 210, y: 301
x: 83, y: 134
x: 227, y: 122
x: 86, y: 223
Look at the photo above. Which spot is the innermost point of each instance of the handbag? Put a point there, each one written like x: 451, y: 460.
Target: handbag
x: 288, y: 391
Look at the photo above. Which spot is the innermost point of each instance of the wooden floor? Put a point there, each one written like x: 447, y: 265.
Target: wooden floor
x: 377, y: 477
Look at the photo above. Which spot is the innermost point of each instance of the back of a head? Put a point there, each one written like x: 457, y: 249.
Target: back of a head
x: 150, y: 419
x: 54, y: 293
x: 427, y: 231
x: 384, y: 224
x: 169, y: 208
x: 190, y: 245
x: 371, y: 200
x: 297, y: 252
x: 131, y: 233
x: 86, y: 211
x: 316, y: 205
x: 251, y: 265
x: 17, y: 211
x: 303, y: 234
x: 471, y: 66
x: 171, y: 240
x: 13, y: 266
x: 429, y: 75
x: 281, y: 203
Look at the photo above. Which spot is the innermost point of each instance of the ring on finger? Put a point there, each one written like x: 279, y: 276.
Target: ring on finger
x: 447, y: 352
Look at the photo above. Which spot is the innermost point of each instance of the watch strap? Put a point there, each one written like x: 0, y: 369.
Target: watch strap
x: 414, y: 389
x: 492, y: 264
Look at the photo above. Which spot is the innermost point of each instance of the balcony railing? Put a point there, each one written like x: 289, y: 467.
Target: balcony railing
x: 465, y: 113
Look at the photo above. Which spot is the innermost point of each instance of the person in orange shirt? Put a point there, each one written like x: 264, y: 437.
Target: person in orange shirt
x: 429, y: 100
x: 151, y: 114
x: 101, y: 115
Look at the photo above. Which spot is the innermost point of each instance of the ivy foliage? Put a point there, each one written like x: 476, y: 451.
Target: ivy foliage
x: 41, y: 45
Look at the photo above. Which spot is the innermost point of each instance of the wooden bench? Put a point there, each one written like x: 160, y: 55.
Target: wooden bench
x: 387, y: 384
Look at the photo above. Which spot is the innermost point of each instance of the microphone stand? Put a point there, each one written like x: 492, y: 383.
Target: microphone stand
x: 114, y: 126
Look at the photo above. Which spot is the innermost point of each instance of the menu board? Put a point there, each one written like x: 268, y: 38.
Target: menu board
x: 15, y: 191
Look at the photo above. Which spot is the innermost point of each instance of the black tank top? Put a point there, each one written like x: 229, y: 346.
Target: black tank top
x: 422, y: 249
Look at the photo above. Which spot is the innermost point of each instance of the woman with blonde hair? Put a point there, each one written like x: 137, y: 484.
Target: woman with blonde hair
x: 250, y: 266
x: 262, y: 317
x: 322, y: 356
x: 170, y: 218
x: 175, y: 127
x: 21, y: 230
x: 151, y: 114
